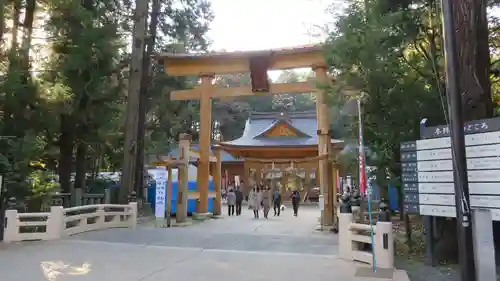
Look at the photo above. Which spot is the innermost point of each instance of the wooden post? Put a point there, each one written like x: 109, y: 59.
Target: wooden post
x: 284, y: 181
x: 203, y: 175
x: 307, y: 180
x: 258, y: 176
x: 246, y: 178
x: 182, y: 184
x: 334, y: 195
x: 217, y: 182
x: 169, y: 194
x: 324, y: 142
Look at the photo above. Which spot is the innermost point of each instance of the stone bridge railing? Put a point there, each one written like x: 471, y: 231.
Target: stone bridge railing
x: 61, y: 222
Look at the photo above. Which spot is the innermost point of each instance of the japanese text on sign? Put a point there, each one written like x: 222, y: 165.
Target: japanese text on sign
x: 160, y: 175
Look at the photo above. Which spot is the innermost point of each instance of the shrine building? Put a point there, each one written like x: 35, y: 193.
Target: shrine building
x: 276, y: 142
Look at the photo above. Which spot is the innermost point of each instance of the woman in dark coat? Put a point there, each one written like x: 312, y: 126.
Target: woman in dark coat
x: 295, y: 202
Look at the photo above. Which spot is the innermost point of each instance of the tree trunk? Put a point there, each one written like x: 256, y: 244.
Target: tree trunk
x: 27, y: 33
x: 66, y: 144
x: 474, y: 84
x: 96, y: 156
x: 144, y: 98
x: 3, y: 5
x: 81, y: 165
x: 473, y: 58
x: 15, y: 26
x: 133, y: 100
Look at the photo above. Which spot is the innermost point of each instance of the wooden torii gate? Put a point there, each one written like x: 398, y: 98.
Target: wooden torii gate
x: 206, y: 66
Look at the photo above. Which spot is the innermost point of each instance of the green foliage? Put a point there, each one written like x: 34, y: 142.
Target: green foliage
x: 393, y: 60
x: 66, y: 110
x: 42, y: 184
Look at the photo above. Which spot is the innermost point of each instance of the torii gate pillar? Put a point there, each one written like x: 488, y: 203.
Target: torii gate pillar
x: 203, y: 175
x: 324, y: 145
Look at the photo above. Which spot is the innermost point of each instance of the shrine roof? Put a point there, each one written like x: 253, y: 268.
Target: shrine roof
x: 241, y: 54
x: 301, y: 130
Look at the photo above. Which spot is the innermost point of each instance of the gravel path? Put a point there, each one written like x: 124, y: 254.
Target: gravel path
x: 418, y: 271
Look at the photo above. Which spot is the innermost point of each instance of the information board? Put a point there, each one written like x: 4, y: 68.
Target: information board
x: 427, y: 170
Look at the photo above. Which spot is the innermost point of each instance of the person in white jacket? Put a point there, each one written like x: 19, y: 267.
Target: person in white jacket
x: 266, y: 200
x: 231, y: 202
x: 255, y: 201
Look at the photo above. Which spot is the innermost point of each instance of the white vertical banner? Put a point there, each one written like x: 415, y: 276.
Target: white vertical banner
x: 321, y: 203
x: 160, y: 174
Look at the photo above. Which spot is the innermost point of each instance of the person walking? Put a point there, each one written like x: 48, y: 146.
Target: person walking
x: 295, y: 202
x: 231, y: 186
x: 255, y: 202
x: 277, y: 202
x: 231, y: 201
x: 266, y: 201
x: 239, y: 200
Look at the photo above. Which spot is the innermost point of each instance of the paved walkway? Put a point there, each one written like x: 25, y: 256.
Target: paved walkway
x: 234, y: 248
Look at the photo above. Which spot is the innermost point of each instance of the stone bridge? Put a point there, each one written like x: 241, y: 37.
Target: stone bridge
x: 234, y: 248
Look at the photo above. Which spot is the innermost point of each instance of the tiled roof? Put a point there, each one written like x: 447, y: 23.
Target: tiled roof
x: 258, y: 123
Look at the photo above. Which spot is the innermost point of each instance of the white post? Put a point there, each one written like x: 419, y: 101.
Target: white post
x: 133, y: 216
x: 345, y: 242
x: 55, y: 223
x: 11, y: 229
x: 321, y: 203
x: 484, y: 245
x: 384, y: 245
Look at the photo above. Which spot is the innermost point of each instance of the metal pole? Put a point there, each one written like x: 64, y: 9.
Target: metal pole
x: 364, y: 181
x: 361, y: 149
x: 465, y: 244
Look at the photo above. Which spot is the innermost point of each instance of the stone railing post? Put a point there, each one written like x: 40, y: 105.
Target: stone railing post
x: 55, y: 223
x: 11, y: 230
x: 56, y: 200
x: 345, y: 219
x: 384, y: 242
x: 132, y: 198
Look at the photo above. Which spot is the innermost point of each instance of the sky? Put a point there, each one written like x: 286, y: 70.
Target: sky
x: 242, y: 25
